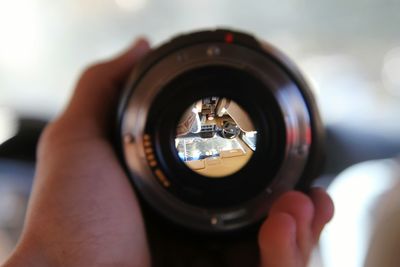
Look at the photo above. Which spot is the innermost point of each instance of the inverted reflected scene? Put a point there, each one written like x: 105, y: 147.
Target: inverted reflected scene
x: 215, y: 137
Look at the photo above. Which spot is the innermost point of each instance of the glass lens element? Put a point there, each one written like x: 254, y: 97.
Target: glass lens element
x: 215, y: 137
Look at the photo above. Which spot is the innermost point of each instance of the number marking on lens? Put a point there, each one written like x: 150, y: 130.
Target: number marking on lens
x: 163, y: 179
x: 150, y: 157
x: 147, y: 143
x: 153, y: 163
x: 146, y: 137
x: 148, y: 150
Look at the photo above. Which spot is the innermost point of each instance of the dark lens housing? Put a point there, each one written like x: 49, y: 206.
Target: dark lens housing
x: 223, y: 64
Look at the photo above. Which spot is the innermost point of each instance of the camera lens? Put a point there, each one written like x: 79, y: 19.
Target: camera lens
x: 213, y: 126
x: 215, y: 137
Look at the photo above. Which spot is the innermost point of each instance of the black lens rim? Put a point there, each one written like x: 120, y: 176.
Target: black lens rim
x: 255, y: 99
x: 245, y: 52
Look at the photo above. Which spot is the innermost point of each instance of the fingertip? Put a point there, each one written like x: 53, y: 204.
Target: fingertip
x: 299, y: 205
x: 277, y: 239
x: 120, y: 66
x: 141, y: 46
x: 278, y: 228
x: 97, y: 92
x: 324, y: 210
x: 125, y: 61
x: 323, y: 203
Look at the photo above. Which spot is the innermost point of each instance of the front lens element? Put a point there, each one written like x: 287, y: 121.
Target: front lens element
x: 215, y: 137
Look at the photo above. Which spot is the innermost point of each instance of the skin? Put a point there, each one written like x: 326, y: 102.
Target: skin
x: 84, y: 212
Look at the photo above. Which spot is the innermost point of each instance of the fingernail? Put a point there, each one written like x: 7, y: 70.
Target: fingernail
x: 141, y: 47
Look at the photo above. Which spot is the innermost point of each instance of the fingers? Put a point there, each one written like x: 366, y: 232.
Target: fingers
x: 277, y: 241
x: 94, y: 100
x: 122, y: 65
x: 293, y: 227
x: 301, y: 208
x: 324, y: 211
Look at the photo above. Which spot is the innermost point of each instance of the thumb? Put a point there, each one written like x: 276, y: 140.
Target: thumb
x: 122, y: 65
x: 96, y: 94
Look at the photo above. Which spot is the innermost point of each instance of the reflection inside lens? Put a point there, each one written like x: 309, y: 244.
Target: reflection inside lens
x: 215, y: 137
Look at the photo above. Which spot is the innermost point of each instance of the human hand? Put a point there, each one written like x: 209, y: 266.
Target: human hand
x: 285, y: 239
x: 293, y: 227
x: 83, y: 211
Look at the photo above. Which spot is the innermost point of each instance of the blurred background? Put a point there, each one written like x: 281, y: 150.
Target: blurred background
x: 349, y: 51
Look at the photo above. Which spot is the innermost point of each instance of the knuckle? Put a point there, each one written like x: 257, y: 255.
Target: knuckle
x: 91, y: 70
x: 299, y: 198
x: 296, y: 203
x: 97, y: 70
x: 50, y: 136
x: 48, y: 133
x: 91, y: 77
x: 44, y: 140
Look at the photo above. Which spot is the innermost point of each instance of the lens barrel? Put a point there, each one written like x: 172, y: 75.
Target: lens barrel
x: 211, y: 66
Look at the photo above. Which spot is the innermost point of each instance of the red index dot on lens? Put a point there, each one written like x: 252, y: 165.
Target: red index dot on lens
x: 229, y: 38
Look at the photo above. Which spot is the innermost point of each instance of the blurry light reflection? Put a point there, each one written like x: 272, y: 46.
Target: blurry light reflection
x: 131, y: 5
x: 355, y: 193
x: 21, y: 33
x: 343, y: 93
x: 391, y: 71
x: 8, y: 124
